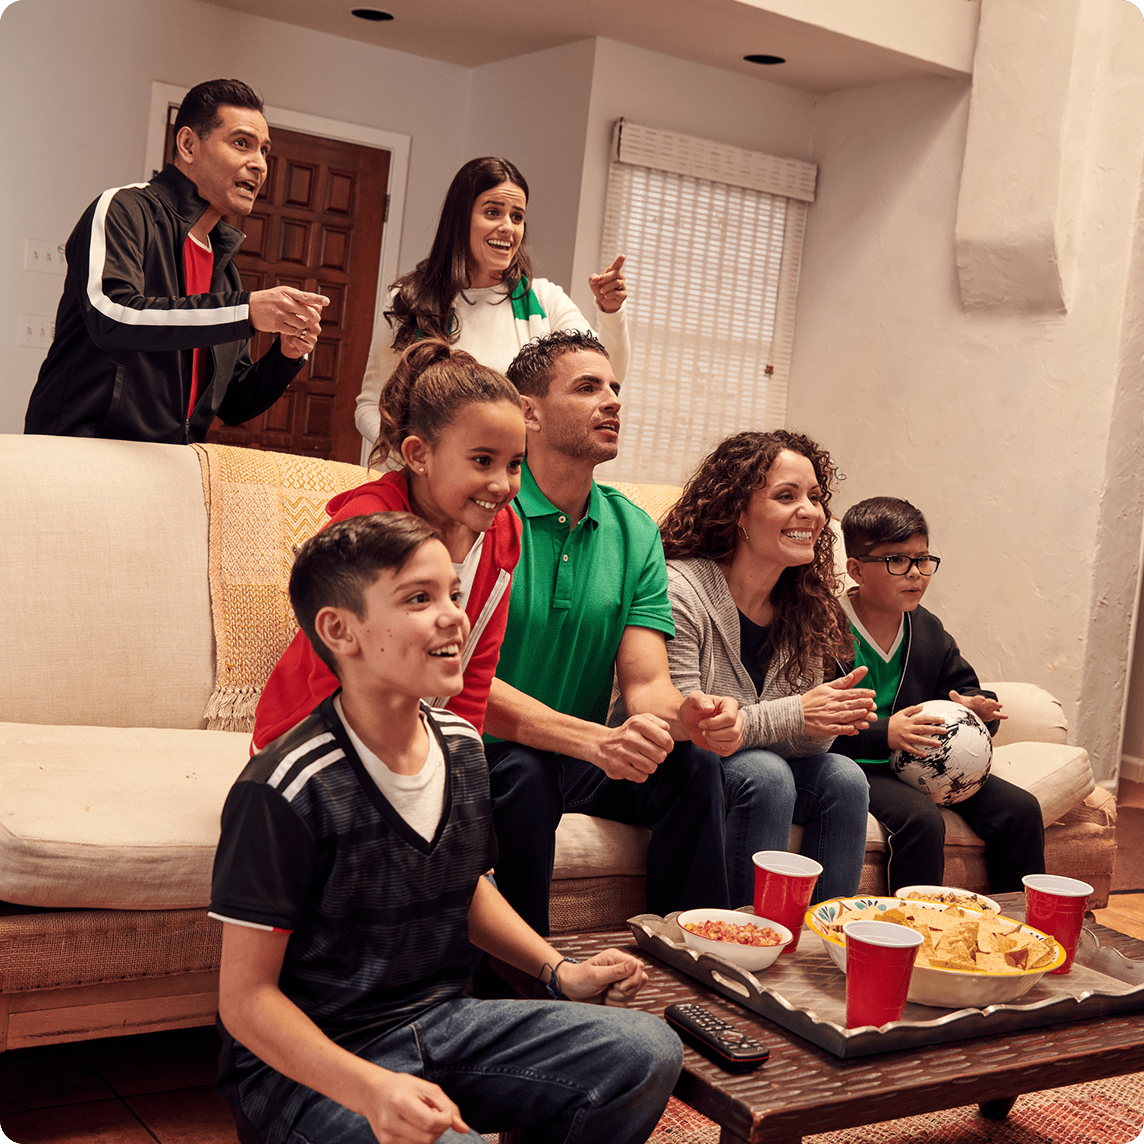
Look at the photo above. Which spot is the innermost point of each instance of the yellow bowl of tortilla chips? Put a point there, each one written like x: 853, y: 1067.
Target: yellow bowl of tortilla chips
x: 968, y: 958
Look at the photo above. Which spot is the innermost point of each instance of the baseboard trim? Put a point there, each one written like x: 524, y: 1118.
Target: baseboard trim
x: 1132, y: 768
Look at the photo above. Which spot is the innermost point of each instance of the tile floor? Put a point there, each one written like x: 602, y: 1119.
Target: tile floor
x: 159, y: 1087
x: 120, y: 1090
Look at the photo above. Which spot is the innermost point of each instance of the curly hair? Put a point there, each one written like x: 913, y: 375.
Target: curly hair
x: 808, y: 623
x: 423, y: 304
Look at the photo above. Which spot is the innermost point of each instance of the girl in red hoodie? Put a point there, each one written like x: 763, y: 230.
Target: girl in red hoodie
x: 453, y: 435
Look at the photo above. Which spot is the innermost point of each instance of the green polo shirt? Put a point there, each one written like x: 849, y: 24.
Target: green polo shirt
x: 573, y: 594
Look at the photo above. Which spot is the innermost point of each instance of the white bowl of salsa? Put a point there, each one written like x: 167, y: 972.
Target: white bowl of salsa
x: 750, y: 942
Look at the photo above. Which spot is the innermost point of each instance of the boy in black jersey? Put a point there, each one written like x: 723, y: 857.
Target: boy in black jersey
x: 911, y: 658
x: 349, y: 876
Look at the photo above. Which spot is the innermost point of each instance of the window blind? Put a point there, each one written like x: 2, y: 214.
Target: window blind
x: 713, y: 236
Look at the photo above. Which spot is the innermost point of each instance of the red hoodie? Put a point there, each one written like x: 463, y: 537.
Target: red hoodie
x: 300, y: 680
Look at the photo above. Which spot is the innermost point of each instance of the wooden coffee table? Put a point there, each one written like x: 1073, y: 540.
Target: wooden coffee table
x: 803, y: 1090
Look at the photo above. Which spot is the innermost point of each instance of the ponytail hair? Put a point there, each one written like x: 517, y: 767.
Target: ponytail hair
x: 430, y: 385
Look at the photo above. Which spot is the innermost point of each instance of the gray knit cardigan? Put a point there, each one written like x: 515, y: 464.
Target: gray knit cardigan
x: 705, y: 656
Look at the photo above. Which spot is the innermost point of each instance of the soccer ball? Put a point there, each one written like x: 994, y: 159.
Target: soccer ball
x: 957, y: 764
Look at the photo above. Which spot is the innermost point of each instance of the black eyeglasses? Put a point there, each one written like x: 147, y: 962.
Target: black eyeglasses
x: 901, y: 565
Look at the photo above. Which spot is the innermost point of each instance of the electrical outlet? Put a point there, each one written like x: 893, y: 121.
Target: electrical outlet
x: 44, y: 257
x: 35, y: 331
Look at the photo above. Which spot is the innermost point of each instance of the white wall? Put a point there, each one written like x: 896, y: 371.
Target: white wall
x: 75, y: 83
x: 539, y: 124
x: 998, y: 425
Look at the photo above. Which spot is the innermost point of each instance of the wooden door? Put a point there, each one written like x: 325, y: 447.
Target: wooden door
x: 316, y: 225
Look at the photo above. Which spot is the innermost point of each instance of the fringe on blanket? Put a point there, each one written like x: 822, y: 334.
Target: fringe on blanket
x: 232, y: 709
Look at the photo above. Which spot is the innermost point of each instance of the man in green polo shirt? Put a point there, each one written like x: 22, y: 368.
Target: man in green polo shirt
x: 590, y: 595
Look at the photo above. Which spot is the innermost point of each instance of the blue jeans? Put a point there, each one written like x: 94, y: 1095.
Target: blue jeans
x: 559, y: 1070
x: 825, y: 794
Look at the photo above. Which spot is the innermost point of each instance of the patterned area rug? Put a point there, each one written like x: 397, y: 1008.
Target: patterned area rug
x: 1101, y: 1112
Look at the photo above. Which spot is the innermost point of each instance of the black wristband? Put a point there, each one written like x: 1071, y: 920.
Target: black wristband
x: 552, y: 985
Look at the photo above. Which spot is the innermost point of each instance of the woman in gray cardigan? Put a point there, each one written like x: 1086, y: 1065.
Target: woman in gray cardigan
x: 754, y: 596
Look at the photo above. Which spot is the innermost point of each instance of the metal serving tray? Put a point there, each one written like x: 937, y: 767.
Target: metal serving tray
x: 806, y: 993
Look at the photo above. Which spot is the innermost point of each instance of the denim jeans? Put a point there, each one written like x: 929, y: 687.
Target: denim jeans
x: 559, y: 1070
x: 682, y: 803
x: 825, y: 794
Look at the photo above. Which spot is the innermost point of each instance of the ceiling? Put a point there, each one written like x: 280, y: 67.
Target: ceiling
x: 717, y: 33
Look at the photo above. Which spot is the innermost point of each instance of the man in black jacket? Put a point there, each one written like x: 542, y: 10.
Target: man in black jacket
x: 153, y: 327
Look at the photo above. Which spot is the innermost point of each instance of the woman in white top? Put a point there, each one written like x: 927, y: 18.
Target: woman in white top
x: 476, y: 289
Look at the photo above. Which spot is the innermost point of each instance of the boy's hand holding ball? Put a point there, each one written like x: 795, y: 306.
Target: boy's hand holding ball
x: 913, y: 731
x: 982, y: 706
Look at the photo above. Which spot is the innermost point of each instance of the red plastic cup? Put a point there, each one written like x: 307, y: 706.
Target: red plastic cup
x: 784, y: 883
x: 879, y: 964
x: 1055, y: 906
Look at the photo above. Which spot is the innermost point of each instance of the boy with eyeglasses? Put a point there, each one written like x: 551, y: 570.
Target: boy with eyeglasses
x: 910, y: 658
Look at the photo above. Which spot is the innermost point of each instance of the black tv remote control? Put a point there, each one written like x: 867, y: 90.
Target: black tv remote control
x: 715, y: 1037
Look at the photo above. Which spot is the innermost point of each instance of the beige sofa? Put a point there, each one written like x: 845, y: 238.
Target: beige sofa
x: 145, y: 599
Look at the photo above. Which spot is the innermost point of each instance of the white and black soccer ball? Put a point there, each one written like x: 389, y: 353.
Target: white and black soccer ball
x: 957, y: 764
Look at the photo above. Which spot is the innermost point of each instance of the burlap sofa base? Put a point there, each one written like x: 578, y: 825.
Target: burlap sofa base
x: 77, y: 974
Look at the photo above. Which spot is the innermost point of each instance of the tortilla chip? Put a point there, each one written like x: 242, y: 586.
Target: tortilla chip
x: 957, y: 952
x: 1041, y: 956
x: 963, y: 940
x: 990, y: 941
x: 994, y: 963
x: 965, y: 932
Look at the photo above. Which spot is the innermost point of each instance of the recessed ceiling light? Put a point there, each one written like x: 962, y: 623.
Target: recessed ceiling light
x: 375, y: 14
x: 764, y: 59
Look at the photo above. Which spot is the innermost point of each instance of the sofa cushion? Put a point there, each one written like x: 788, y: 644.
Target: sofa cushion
x: 1032, y: 714
x: 112, y: 818
x: 104, y: 583
x: 1059, y: 775
x: 596, y: 848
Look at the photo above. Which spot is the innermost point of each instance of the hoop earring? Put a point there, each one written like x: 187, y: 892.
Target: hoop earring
x: 742, y: 532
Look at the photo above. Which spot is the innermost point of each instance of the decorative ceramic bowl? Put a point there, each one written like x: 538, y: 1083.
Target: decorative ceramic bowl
x: 750, y: 957
x: 942, y: 988
x: 950, y: 893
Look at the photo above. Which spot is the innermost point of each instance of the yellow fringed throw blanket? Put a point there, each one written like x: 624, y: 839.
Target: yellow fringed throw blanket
x: 260, y: 507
